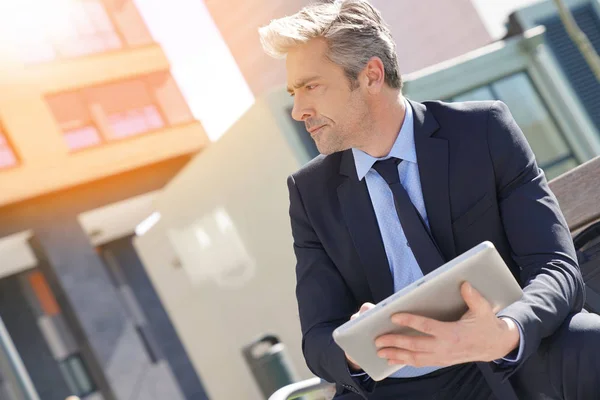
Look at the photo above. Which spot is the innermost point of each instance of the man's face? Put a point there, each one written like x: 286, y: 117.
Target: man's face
x: 335, y: 115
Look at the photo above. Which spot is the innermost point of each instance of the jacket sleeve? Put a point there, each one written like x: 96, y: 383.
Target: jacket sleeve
x: 538, y: 235
x: 324, y: 302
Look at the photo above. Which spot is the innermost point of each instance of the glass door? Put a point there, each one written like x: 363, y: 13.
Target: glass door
x: 15, y: 383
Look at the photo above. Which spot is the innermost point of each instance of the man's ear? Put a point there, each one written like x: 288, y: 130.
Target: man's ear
x: 374, y: 75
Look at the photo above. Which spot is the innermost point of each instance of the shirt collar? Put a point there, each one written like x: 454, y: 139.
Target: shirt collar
x: 403, y: 148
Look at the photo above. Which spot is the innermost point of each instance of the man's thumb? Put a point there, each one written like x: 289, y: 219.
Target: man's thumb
x: 475, y: 301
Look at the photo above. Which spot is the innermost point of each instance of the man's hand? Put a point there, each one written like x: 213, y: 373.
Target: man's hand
x: 365, y: 307
x: 478, y: 336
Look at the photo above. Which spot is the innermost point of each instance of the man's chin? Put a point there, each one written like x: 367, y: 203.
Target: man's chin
x: 327, y: 149
x: 325, y: 152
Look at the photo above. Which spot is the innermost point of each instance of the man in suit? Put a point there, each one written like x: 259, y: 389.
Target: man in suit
x: 401, y: 187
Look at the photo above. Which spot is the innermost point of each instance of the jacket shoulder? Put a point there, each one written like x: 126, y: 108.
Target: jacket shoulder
x: 446, y: 110
x: 463, y: 120
x: 319, y: 168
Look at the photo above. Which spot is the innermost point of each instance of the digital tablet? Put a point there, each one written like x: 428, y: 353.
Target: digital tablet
x: 436, y: 295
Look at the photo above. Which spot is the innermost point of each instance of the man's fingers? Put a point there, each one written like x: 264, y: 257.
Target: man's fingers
x: 422, y: 324
x: 412, y: 358
x: 475, y: 301
x: 397, y: 356
x: 424, y: 344
x: 366, y: 307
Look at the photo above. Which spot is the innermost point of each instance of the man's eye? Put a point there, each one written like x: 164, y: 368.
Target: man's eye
x: 311, y: 87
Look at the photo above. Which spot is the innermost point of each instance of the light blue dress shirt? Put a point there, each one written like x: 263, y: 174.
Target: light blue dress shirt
x: 403, y: 265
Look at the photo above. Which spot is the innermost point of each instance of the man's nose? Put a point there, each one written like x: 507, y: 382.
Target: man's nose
x: 301, y: 112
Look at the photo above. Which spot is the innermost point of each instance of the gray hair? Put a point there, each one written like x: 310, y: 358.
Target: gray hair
x: 353, y: 29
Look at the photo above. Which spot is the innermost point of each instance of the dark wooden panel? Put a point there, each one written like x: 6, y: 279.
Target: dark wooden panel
x: 578, y: 193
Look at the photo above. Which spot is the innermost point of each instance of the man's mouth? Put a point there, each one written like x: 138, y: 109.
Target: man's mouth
x: 315, y: 130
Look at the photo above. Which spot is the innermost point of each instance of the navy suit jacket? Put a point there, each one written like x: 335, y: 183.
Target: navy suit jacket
x: 480, y: 182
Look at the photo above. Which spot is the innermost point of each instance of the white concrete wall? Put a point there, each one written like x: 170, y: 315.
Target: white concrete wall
x: 244, y: 174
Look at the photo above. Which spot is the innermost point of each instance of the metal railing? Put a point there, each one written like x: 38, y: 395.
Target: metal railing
x: 298, y: 389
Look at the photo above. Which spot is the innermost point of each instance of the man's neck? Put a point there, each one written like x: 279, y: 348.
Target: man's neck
x: 387, y: 122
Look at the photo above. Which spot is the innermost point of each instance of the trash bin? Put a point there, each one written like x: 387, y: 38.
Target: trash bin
x: 269, y: 363
x: 587, y: 245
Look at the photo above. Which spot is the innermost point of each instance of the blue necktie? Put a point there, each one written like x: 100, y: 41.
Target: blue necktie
x: 419, y: 239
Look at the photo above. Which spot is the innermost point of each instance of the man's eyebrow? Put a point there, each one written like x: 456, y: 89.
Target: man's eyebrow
x: 301, y: 82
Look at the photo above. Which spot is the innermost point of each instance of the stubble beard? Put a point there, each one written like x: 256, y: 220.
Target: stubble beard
x: 330, y: 142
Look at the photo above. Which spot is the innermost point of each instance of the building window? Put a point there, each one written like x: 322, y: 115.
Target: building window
x: 115, y: 111
x: 554, y: 155
x: 136, y: 121
x: 59, y: 29
x: 7, y: 156
x: 75, y: 120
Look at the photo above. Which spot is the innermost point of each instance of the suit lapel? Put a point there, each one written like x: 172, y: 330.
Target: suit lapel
x: 432, y: 158
x: 362, y: 224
